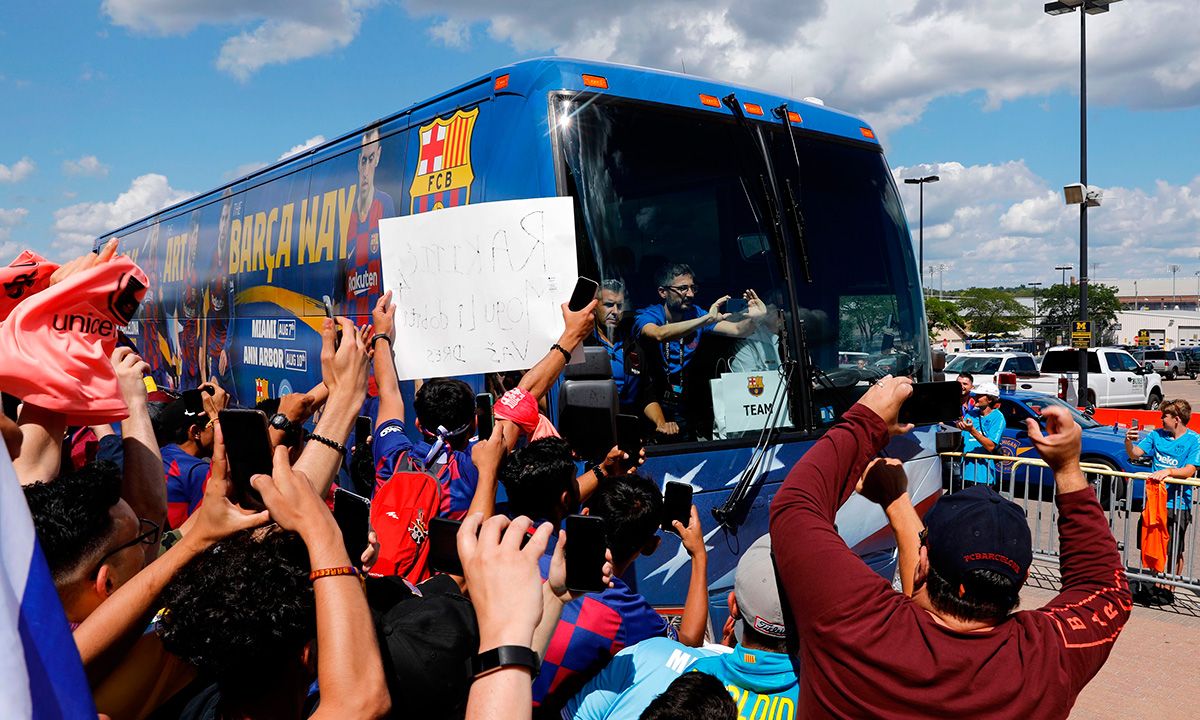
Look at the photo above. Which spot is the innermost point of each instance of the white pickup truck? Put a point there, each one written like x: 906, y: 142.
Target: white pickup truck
x: 1115, y: 379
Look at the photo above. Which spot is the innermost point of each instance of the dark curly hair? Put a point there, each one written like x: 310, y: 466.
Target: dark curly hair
x: 536, y: 476
x: 243, y: 607
x: 632, y: 509
x: 72, y: 515
x: 449, y: 403
x: 692, y: 696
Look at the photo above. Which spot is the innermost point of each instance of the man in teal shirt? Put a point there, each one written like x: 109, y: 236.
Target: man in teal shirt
x: 758, y: 673
x: 1174, y: 451
x: 982, y: 427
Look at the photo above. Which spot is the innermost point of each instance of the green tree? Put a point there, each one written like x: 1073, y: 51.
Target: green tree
x: 989, y: 312
x: 942, y: 315
x: 1058, y: 307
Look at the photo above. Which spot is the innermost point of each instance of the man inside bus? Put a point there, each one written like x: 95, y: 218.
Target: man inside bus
x: 624, y: 354
x: 672, y: 332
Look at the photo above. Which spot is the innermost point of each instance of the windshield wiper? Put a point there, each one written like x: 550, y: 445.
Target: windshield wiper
x: 794, y: 212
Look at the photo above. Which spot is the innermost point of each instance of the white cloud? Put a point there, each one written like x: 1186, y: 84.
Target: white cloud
x: 77, y: 226
x: 886, y: 61
x: 282, y: 30
x: 1003, y: 225
x: 9, y: 218
x: 16, y: 172
x: 312, y: 142
x: 87, y: 166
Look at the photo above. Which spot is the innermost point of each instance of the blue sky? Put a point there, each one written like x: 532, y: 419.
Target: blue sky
x: 116, y: 107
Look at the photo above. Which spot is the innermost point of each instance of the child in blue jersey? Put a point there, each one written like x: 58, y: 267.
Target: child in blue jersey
x: 758, y: 672
x: 1174, y: 451
x: 982, y: 428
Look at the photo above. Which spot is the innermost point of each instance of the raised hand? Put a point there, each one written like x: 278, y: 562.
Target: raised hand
x: 755, y: 307
x: 556, y: 580
x: 502, y: 578
x: 885, y: 397
x: 291, y: 499
x: 344, y: 369
x: 578, y: 324
x: 130, y: 369
x: 218, y: 517
x: 883, y: 481
x: 691, y: 536
x: 714, y: 310
x: 384, y: 316
x: 87, y: 261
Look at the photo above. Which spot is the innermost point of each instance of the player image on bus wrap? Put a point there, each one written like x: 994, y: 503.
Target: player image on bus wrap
x: 219, y: 308
x: 151, y: 323
x: 360, y: 272
x: 189, y: 308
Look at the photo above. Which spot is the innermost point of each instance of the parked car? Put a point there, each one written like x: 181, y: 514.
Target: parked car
x: 1103, y: 445
x: 1191, y: 359
x: 984, y: 366
x: 1168, y: 363
x: 1115, y: 378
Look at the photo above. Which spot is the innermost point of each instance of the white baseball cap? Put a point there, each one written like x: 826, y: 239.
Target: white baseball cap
x: 986, y: 388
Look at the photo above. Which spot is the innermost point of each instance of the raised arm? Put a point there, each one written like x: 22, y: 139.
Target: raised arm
x: 42, y: 433
x: 142, y: 483
x: 349, y: 667
x: 538, y: 381
x: 744, y: 326
x: 345, y: 374
x: 816, y: 568
x: 391, y: 403
x: 695, y: 607
x: 885, y: 484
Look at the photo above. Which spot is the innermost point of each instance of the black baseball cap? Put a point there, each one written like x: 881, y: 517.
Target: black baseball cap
x: 976, y: 528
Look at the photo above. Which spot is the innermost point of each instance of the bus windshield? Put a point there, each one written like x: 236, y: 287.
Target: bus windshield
x: 659, y: 187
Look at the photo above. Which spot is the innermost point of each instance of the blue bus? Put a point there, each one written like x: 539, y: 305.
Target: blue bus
x: 749, y: 189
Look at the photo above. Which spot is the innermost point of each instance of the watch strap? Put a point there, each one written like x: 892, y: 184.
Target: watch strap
x: 505, y: 656
x: 286, y: 424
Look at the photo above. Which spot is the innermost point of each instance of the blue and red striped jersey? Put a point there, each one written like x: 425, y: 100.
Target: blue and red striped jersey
x: 186, y: 477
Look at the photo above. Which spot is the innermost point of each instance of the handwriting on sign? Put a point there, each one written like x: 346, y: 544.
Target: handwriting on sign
x: 478, y: 286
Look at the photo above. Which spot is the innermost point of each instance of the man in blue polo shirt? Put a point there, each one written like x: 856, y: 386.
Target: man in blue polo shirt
x: 676, y: 326
x: 982, y: 428
x: 758, y: 672
x: 1174, y: 451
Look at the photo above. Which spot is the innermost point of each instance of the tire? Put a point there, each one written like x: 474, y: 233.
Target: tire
x: 1191, y: 375
x: 1108, y: 485
x: 1171, y: 374
x: 1154, y: 400
x: 1091, y: 399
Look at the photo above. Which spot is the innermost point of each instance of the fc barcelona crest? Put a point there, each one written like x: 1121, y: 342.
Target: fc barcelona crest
x: 754, y: 384
x: 443, y: 174
x: 261, y: 389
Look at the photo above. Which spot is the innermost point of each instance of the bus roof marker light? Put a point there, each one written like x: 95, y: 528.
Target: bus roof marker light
x: 752, y: 109
x: 867, y: 132
x: 501, y: 83
x: 709, y: 100
x: 794, y: 116
x: 595, y: 81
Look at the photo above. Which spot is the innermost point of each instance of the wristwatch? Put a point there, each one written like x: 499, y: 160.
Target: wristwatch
x: 279, y: 421
x: 505, y: 656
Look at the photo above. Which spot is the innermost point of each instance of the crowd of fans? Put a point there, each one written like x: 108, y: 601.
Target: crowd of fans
x: 190, y: 598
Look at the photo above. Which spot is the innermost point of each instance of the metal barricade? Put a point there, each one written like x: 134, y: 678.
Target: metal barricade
x: 1030, y: 483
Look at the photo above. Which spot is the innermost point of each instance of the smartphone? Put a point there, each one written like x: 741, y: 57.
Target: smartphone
x: 443, y: 546
x: 584, y: 293
x: 933, y: 402
x: 586, y: 545
x: 677, y: 504
x: 353, y: 515
x: 362, y: 431
x: 484, y: 418
x: 736, y: 305
x: 337, y: 327
x: 629, y: 436
x: 193, y: 402
x: 248, y: 451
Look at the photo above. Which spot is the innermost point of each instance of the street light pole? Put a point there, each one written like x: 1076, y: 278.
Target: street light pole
x: 1089, y: 7
x: 1174, y: 269
x: 1033, y: 328
x: 921, y: 181
x: 1064, y: 269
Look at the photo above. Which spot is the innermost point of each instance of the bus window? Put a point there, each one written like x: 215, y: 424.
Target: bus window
x: 673, y: 217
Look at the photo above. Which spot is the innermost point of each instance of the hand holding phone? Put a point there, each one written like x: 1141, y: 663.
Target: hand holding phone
x: 585, y: 551
x: 484, y: 415
x: 248, y: 451
x: 584, y: 293
x: 932, y: 403
x: 677, y: 505
x: 337, y: 326
x: 629, y: 436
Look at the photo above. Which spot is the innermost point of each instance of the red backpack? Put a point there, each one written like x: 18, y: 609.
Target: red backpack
x: 400, y: 515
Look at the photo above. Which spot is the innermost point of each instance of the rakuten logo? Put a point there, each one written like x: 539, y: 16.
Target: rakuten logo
x: 363, y: 282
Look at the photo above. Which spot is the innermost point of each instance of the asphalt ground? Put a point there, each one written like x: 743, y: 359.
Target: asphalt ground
x: 1183, y: 389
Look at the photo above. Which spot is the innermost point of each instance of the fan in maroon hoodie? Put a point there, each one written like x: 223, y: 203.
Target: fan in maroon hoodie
x: 955, y: 649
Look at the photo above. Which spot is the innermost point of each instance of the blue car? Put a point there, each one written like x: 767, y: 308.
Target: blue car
x: 1102, y: 444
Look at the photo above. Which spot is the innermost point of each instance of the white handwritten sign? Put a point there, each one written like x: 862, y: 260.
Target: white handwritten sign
x: 478, y: 287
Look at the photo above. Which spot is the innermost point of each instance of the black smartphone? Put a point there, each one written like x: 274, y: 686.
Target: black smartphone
x: 736, y: 305
x: 484, y: 418
x: 585, y: 553
x: 353, y: 515
x: 585, y: 292
x: 443, y: 546
x: 362, y: 431
x: 677, y: 504
x: 193, y: 402
x: 248, y: 451
x: 337, y: 327
x: 629, y: 436
x: 932, y: 403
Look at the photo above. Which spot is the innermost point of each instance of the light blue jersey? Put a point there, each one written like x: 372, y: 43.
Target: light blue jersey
x: 764, y: 684
x: 992, y: 427
x: 633, y: 678
x: 1168, y: 452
